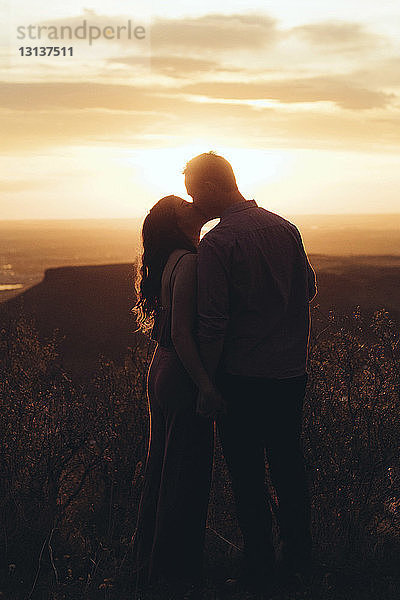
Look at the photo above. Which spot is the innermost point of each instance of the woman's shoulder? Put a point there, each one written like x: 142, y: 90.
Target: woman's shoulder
x: 180, y: 261
x: 185, y: 269
x: 184, y: 264
x: 181, y: 257
x: 189, y: 257
x: 182, y: 252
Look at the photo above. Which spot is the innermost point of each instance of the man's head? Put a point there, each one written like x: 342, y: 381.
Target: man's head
x: 210, y: 181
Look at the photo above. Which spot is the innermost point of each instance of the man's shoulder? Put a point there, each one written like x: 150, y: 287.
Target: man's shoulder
x: 216, y: 233
x: 278, y: 223
x: 228, y: 229
x: 273, y: 218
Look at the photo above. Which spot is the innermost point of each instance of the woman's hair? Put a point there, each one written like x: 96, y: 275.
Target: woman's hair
x: 161, y: 235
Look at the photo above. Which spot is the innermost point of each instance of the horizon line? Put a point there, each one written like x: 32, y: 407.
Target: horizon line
x: 121, y: 218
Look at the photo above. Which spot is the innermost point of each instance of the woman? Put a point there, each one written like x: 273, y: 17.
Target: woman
x: 170, y: 532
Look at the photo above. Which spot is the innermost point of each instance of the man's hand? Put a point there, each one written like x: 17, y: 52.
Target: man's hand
x: 210, y: 403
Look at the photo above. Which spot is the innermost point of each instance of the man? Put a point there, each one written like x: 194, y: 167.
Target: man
x: 254, y: 288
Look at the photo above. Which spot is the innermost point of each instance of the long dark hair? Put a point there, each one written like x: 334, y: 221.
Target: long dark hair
x: 161, y: 235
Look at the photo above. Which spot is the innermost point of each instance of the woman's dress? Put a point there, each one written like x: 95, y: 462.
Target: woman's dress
x: 169, y: 538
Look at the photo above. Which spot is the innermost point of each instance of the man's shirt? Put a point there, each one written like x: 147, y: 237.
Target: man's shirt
x: 254, y: 288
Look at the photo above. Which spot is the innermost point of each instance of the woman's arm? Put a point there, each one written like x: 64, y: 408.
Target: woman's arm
x: 183, y: 315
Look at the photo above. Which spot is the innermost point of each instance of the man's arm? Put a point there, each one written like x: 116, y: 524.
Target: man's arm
x: 312, y: 281
x: 213, y: 305
x: 311, y: 278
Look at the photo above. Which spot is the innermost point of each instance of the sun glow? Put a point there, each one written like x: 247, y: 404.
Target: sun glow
x: 160, y: 170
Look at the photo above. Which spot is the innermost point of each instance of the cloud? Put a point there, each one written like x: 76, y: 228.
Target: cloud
x: 382, y: 72
x: 206, y: 33
x: 337, y: 34
x: 63, y: 128
x: 89, y: 18
x: 181, y: 120
x: 314, y: 89
x: 18, y: 185
x: 176, y: 66
x: 203, y: 55
x: 77, y: 95
x: 215, y: 32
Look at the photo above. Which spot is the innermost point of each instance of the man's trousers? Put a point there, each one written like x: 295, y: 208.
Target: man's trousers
x: 264, y: 419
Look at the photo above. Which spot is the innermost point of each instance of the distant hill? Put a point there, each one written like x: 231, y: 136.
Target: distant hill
x: 91, y: 305
x: 370, y: 282
x: 28, y: 248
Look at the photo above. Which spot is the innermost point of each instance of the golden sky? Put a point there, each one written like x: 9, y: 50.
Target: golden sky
x: 302, y: 97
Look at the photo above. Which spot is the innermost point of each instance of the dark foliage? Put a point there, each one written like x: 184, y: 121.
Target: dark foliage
x: 72, y: 458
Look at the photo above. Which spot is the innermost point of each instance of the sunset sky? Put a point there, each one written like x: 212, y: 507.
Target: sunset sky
x: 302, y: 97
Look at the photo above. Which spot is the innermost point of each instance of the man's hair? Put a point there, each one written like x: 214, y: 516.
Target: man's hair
x: 211, y: 167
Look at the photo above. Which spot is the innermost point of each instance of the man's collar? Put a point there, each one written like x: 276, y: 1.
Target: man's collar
x: 237, y: 207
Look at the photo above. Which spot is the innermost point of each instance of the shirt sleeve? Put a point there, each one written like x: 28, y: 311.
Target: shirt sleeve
x: 311, y: 278
x: 312, y: 281
x: 213, y: 293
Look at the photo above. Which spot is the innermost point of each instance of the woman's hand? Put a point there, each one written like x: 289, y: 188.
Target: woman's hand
x: 210, y: 403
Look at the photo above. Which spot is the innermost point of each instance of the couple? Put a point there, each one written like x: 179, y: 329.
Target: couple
x: 231, y: 317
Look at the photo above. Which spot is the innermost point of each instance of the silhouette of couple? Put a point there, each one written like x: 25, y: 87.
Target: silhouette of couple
x: 230, y: 314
